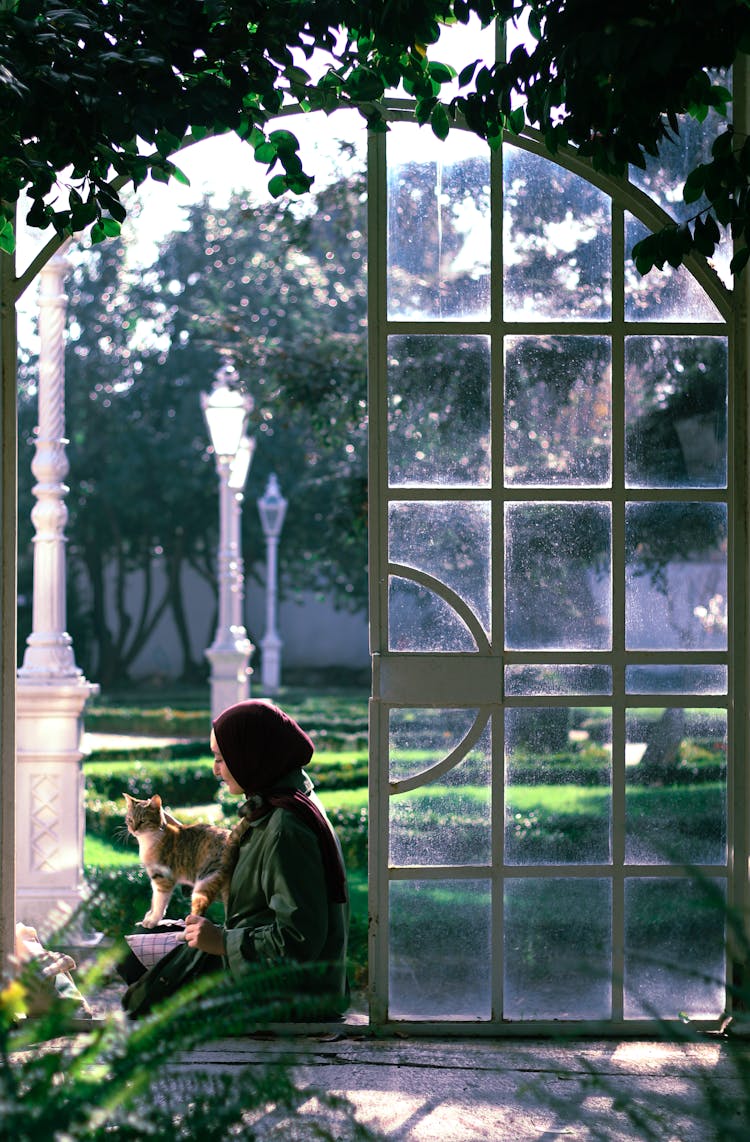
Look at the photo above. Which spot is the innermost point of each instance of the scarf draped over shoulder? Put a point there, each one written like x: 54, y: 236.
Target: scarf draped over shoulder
x: 261, y: 745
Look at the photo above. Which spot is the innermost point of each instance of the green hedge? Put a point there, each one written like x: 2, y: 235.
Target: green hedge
x: 193, y: 782
x: 327, y: 730
x: 118, y: 898
x: 176, y: 782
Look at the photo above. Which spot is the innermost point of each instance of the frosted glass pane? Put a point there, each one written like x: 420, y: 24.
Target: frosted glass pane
x: 440, y: 949
x: 662, y: 295
x: 447, y: 821
x: 438, y: 225
x: 557, y: 949
x: 438, y: 410
x: 526, y: 679
x: 450, y: 541
x: 419, y: 620
x: 556, y: 241
x: 675, y: 576
x: 675, y: 800
x: 676, y: 679
x: 674, y: 948
x: 419, y: 739
x: 557, y: 410
x: 557, y: 574
x: 558, y: 800
x: 676, y: 412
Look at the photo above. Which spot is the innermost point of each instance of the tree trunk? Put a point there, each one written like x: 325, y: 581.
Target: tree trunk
x: 663, y: 744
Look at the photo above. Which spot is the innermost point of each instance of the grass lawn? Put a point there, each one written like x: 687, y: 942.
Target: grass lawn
x: 350, y: 800
x: 100, y: 852
x: 559, y: 798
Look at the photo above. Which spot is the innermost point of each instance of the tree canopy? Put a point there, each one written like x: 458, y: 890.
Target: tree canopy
x: 284, y: 298
x: 97, y: 94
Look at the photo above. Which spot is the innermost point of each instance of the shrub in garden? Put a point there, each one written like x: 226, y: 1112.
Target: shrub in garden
x: 177, y: 782
x: 116, y: 899
x: 351, y: 829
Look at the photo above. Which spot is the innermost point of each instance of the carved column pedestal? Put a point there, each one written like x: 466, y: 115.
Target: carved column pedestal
x: 50, y: 821
x: 51, y: 690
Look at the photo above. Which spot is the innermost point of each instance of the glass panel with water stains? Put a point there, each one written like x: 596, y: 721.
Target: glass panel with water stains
x: 558, y: 949
x: 676, y: 791
x: 558, y: 772
x: 676, y: 679
x: 674, y: 948
x: 421, y: 738
x: 667, y: 295
x: 676, y: 576
x: 557, y: 575
x: 438, y: 411
x: 419, y: 620
x: 555, y: 679
x: 676, y: 412
x: 438, y: 225
x: 440, y: 949
x: 556, y: 241
x: 557, y: 411
x: 679, y: 153
x: 450, y: 541
x: 446, y: 820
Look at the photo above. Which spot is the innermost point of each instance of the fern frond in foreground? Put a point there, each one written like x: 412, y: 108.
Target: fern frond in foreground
x: 123, y: 1081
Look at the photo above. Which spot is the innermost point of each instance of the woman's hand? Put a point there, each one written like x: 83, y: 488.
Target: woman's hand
x: 202, y: 934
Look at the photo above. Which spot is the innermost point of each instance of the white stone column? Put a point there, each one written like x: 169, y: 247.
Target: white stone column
x: 51, y: 689
x: 8, y: 509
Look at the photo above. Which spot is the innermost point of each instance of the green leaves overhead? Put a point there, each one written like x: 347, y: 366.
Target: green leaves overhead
x: 112, y: 90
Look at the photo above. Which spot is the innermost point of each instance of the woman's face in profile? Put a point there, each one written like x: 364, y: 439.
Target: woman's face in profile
x: 221, y: 769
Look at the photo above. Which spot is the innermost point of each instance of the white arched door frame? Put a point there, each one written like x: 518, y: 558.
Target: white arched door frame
x: 413, y: 680
x: 13, y: 286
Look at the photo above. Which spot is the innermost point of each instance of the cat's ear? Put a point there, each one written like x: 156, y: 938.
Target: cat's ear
x: 128, y: 798
x: 156, y: 801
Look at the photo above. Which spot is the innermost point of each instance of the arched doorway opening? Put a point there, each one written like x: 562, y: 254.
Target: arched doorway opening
x: 478, y: 647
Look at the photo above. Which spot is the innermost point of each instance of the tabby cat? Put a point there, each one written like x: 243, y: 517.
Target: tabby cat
x: 173, y: 853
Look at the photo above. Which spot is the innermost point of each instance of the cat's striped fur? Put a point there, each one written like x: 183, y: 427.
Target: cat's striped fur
x: 173, y: 853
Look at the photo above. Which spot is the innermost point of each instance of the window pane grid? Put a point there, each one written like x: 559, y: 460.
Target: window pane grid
x: 660, y: 680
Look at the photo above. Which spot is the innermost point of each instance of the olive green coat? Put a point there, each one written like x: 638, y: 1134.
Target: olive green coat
x: 279, y: 912
x: 279, y: 907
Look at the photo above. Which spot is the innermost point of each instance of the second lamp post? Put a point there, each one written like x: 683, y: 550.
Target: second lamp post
x: 226, y: 411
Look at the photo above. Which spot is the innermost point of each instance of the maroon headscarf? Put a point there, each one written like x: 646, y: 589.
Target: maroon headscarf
x: 260, y: 745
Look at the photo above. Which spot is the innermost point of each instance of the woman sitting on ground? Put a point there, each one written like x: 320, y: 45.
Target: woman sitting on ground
x: 287, y: 896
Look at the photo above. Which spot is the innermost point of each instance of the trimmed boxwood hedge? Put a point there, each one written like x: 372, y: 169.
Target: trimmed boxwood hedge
x: 177, y: 782
x: 193, y: 782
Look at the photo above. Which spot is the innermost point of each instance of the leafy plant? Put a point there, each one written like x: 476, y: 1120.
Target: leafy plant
x: 123, y: 1082
x: 82, y: 81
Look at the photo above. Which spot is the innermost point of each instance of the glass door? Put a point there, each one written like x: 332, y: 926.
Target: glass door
x: 551, y: 568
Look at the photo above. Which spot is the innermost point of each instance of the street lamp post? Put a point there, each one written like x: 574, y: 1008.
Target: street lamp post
x: 272, y: 507
x: 226, y: 411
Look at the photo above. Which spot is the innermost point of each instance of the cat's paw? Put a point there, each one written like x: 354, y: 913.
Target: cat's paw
x: 149, y: 921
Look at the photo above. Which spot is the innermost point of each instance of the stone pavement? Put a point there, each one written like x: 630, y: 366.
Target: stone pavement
x: 511, y: 1090
x: 499, y: 1090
